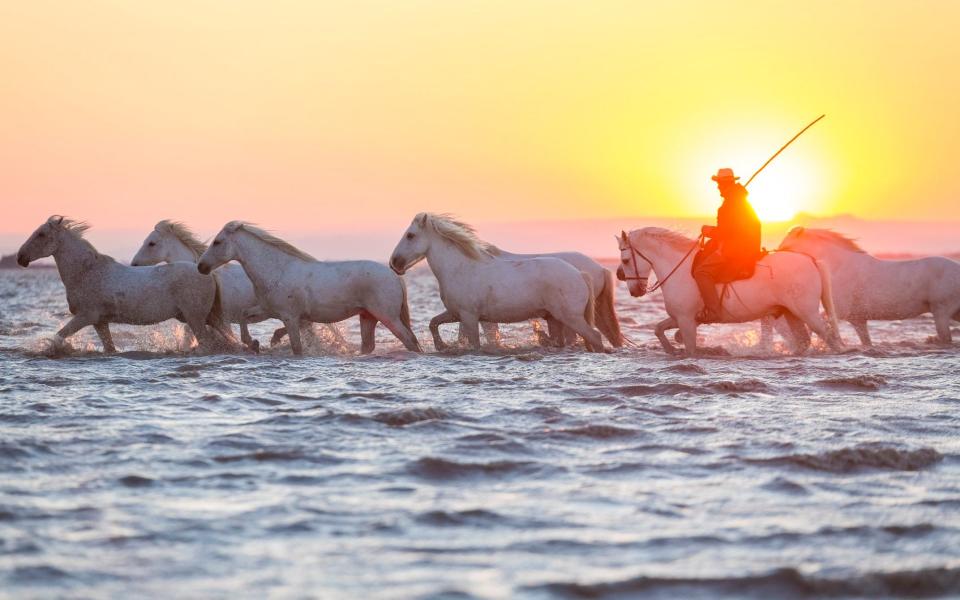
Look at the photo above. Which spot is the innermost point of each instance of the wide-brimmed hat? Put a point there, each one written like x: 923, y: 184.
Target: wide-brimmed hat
x: 724, y: 173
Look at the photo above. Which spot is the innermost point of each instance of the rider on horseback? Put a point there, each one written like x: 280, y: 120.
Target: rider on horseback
x: 734, y: 245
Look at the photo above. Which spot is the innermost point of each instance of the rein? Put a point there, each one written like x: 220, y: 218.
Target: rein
x: 633, y: 257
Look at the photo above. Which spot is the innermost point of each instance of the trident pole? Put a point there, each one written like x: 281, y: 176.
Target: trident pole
x: 784, y: 147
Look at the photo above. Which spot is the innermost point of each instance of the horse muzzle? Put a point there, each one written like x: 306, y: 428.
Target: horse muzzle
x: 620, y: 274
x: 638, y: 290
x: 203, y: 268
x: 398, y: 265
x: 22, y: 260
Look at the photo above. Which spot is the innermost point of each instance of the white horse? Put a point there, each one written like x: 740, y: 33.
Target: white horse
x: 172, y: 241
x: 601, y: 280
x: 476, y: 285
x: 868, y: 288
x: 101, y: 291
x: 296, y: 288
x: 784, y: 282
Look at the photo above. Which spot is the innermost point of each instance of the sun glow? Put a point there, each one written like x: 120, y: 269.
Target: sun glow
x: 779, y: 193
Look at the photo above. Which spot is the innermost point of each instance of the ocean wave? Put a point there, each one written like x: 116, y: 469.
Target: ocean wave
x: 781, y: 583
x: 440, y: 468
x: 860, y: 457
x: 408, y: 416
x: 857, y: 382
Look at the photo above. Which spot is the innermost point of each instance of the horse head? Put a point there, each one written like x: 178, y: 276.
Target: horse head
x: 222, y: 249
x: 634, y: 268
x: 412, y: 247
x: 45, y: 240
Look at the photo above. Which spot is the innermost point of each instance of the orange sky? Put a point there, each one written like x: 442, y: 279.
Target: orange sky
x: 302, y: 115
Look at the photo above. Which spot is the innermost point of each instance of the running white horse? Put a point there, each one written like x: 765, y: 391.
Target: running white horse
x: 785, y: 282
x: 602, y: 282
x: 172, y: 241
x: 101, y: 291
x: 868, y: 288
x: 476, y: 285
x: 296, y: 288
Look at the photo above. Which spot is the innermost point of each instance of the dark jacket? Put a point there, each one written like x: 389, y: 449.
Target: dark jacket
x: 738, y: 229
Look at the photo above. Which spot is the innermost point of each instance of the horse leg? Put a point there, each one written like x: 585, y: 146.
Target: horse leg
x: 103, y: 330
x: 491, y: 331
x: 74, y: 325
x: 860, y: 326
x: 591, y: 336
x: 554, y: 331
x: 819, y: 325
x: 471, y: 328
x: 435, y: 323
x: 662, y: 327
x: 688, y: 331
x: 942, y: 320
x: 293, y: 330
x: 368, y: 325
x: 799, y: 334
x: 766, y: 333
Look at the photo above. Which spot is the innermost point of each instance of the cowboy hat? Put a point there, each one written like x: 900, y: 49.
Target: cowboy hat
x: 724, y: 173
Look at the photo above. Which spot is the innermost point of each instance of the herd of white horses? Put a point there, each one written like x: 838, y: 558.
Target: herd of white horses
x: 176, y: 276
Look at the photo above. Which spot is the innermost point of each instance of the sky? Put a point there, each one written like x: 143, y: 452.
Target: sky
x: 308, y: 116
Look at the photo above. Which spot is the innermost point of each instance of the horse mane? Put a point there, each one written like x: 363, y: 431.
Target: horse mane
x: 460, y: 234
x: 675, y: 239
x: 183, y: 233
x: 73, y: 227
x: 270, y: 239
x: 825, y: 235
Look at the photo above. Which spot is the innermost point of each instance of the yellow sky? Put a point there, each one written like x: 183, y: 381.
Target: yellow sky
x: 309, y: 115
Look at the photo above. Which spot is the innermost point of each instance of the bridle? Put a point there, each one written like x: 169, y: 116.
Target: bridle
x: 634, y: 253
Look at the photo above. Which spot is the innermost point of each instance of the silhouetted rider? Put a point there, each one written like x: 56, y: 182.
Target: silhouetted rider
x: 734, y: 246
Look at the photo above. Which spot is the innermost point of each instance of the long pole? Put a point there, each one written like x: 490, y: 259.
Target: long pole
x: 784, y: 147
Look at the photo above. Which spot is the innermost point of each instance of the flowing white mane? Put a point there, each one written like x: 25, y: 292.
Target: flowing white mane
x: 462, y: 235
x: 823, y: 235
x: 77, y: 228
x: 270, y: 239
x: 675, y: 239
x: 74, y: 228
x: 183, y: 234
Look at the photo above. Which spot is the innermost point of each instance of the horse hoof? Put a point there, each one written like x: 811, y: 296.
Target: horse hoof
x: 255, y: 346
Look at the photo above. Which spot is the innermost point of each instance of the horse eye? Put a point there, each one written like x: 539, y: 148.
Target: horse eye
x: 216, y: 242
x: 410, y: 236
x: 625, y: 260
x: 41, y: 234
x: 152, y: 244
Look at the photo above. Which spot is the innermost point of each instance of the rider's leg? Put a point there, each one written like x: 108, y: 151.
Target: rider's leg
x: 706, y: 274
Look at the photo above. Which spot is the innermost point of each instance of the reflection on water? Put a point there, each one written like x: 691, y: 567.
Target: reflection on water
x: 520, y: 472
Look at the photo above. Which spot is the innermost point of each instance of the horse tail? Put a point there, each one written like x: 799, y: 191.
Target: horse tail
x: 590, y: 310
x: 215, y: 318
x: 606, y: 315
x: 826, y: 296
x: 404, y: 306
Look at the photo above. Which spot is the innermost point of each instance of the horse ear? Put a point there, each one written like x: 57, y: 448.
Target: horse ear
x: 233, y: 226
x: 623, y: 235
x: 422, y: 219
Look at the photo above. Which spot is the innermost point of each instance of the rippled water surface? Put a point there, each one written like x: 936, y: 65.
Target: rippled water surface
x: 520, y: 472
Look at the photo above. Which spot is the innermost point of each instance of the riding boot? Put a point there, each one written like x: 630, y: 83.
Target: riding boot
x: 711, y: 300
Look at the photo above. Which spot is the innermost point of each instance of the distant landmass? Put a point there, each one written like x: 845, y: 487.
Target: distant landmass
x: 9, y: 261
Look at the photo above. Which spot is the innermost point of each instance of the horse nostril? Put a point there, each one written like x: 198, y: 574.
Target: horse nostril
x: 203, y: 268
x: 397, y: 263
x: 22, y: 260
